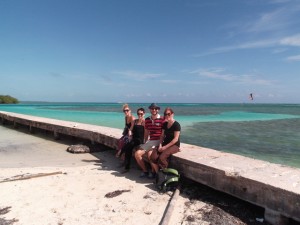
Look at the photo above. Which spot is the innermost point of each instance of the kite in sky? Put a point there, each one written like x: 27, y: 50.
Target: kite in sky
x: 251, y: 96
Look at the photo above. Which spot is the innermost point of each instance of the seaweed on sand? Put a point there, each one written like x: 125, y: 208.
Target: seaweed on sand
x: 115, y: 193
x: 4, y: 221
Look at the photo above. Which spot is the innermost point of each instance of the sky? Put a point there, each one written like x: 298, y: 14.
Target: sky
x: 185, y: 51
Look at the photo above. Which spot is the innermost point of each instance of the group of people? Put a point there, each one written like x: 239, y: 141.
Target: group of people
x: 154, y: 139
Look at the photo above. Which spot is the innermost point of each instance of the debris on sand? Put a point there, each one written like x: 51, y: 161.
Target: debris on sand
x: 115, y: 193
x: 4, y: 221
x: 78, y: 149
x: 29, y: 176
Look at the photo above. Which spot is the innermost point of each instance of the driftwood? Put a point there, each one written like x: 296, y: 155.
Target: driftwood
x: 26, y: 177
x: 170, y: 208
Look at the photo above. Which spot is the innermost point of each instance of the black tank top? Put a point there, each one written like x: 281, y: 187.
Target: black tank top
x: 138, y: 131
x: 126, y: 128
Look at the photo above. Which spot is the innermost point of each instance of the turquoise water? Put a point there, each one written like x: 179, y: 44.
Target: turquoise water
x: 265, y: 131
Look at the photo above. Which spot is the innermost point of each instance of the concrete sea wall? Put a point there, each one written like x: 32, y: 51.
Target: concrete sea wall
x: 274, y: 187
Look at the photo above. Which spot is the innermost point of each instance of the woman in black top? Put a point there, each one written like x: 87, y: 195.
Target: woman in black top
x: 129, y: 118
x: 136, y: 137
x: 169, y: 141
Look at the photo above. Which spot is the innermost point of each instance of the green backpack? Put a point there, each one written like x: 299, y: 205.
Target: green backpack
x: 166, y: 179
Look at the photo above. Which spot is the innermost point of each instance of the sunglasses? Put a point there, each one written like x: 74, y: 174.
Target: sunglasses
x: 167, y: 114
x: 126, y: 110
x: 154, y: 108
x: 140, y: 114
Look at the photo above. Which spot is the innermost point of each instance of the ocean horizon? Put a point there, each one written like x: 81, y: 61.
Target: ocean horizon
x: 269, y: 132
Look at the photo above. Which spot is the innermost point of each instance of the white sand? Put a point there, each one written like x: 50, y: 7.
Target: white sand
x: 77, y: 195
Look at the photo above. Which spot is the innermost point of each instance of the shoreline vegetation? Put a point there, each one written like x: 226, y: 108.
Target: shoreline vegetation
x: 7, y: 99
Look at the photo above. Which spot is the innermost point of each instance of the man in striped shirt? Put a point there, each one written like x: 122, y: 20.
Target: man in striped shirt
x: 153, y: 129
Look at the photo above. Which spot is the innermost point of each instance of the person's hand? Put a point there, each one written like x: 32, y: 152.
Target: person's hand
x: 160, y: 148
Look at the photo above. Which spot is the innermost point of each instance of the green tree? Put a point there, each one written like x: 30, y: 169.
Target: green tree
x: 6, y: 99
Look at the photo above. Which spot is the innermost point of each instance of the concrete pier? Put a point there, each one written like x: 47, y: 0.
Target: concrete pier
x: 104, y: 135
x: 274, y: 187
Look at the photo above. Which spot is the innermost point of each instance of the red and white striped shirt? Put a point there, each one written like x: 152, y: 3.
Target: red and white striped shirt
x: 154, y: 127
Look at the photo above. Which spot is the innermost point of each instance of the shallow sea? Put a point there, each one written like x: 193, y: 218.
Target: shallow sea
x: 269, y: 132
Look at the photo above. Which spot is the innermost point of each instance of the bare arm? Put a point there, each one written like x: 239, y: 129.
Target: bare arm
x: 161, y: 139
x: 131, y: 119
x: 173, y: 142
x: 131, y: 128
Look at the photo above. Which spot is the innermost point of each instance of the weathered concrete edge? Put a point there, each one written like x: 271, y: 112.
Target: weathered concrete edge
x: 276, y: 201
x: 104, y: 135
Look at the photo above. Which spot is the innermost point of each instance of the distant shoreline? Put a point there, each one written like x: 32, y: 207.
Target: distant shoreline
x: 164, y: 103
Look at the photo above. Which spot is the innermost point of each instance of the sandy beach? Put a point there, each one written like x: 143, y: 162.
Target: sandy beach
x: 67, y: 188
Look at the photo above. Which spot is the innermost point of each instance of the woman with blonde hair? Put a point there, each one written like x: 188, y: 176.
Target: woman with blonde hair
x: 136, y: 137
x: 129, y: 118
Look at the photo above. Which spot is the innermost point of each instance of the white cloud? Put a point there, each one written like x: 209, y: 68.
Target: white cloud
x: 279, y: 1
x: 170, y: 81
x: 274, y: 26
x: 246, y: 45
x: 56, y: 74
x: 138, y: 75
x: 268, y: 43
x: 293, y: 58
x: 215, y: 73
x: 219, y: 74
x: 106, y: 78
x: 271, y: 21
x: 281, y: 19
x: 279, y: 50
x: 292, y: 40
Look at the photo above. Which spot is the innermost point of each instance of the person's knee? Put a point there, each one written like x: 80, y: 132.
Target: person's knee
x: 136, y: 156
x: 138, y: 153
x: 148, y: 155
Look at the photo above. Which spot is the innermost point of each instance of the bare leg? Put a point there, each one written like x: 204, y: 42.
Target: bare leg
x: 154, y: 167
x: 139, y: 159
x: 153, y: 161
